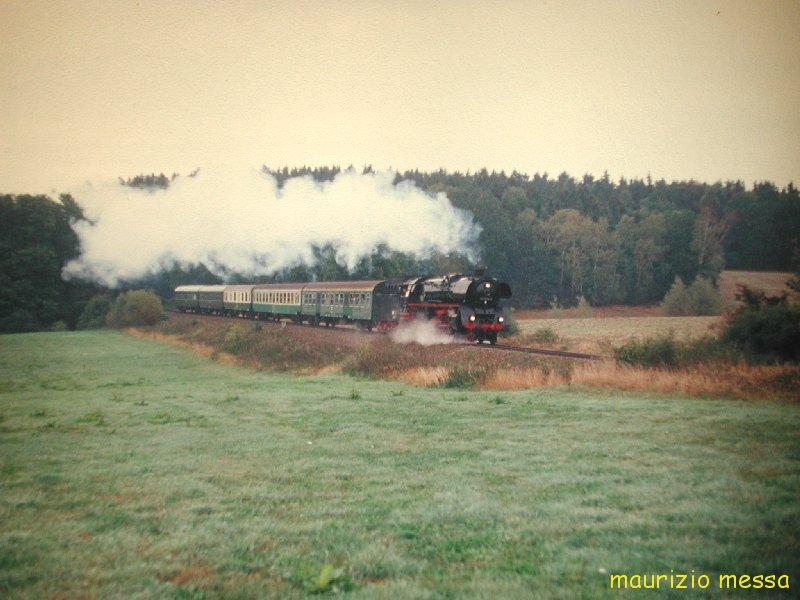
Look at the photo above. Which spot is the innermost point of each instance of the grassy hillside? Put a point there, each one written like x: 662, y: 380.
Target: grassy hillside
x: 133, y: 468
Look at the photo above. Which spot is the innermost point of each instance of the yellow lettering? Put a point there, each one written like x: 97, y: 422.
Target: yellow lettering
x: 681, y: 582
x: 783, y: 582
x: 758, y: 582
x: 638, y: 579
x: 725, y: 581
x: 769, y: 580
x: 621, y: 581
x: 660, y: 577
x: 744, y: 581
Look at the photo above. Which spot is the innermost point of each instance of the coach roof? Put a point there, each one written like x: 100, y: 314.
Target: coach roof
x: 342, y: 286
x: 280, y: 286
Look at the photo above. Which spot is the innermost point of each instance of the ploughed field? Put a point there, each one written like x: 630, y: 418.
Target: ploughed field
x: 130, y: 467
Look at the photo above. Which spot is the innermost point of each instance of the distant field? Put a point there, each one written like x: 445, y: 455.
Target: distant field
x: 600, y: 334
x: 132, y: 468
x: 772, y: 282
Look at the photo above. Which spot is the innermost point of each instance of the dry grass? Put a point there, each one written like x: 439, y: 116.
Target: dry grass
x: 523, y: 379
x: 716, y: 381
x: 424, y: 376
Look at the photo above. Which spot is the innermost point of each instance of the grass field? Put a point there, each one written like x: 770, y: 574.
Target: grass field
x: 132, y: 468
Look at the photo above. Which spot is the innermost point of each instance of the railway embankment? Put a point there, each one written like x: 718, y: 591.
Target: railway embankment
x: 305, y: 350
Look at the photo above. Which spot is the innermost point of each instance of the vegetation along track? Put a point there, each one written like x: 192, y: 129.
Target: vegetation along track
x: 506, y: 347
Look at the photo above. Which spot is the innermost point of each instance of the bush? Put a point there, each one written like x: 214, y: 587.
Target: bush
x: 95, y: 312
x: 236, y: 339
x: 676, y: 300
x: 465, y: 377
x: 650, y: 352
x: 512, y: 327
x: 700, y: 298
x: 667, y: 352
x: 543, y: 335
x: 584, y: 309
x: 765, y: 327
x: 704, y: 298
x: 138, y: 307
x: 59, y: 326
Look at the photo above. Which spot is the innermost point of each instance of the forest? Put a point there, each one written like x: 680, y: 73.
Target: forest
x: 555, y: 240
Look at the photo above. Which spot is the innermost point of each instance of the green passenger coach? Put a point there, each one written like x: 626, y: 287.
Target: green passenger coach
x: 332, y: 302
x: 186, y: 297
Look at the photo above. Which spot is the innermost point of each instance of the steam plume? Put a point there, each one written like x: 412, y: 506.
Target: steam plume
x: 422, y: 332
x: 243, y: 221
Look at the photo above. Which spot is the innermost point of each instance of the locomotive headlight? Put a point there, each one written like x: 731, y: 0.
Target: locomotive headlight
x: 487, y: 285
x: 472, y: 318
x: 501, y: 319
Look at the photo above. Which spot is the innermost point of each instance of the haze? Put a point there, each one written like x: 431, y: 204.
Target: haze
x: 703, y: 90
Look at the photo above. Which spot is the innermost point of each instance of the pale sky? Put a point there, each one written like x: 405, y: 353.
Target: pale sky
x: 703, y: 90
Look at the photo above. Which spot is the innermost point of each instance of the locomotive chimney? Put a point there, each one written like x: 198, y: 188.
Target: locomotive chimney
x: 480, y: 270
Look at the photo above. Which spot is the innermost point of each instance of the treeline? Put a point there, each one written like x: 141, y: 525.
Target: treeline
x: 556, y: 240
x: 36, y: 240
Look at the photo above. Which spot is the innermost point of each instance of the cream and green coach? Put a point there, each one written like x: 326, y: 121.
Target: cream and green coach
x: 238, y: 299
x: 278, y: 300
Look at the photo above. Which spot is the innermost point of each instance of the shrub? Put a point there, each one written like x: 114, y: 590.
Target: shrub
x: 94, y: 313
x: 666, y: 351
x: 765, y: 327
x: 700, y: 298
x: 676, y: 301
x: 544, y: 335
x: 650, y: 352
x: 704, y: 298
x: 59, y: 326
x: 134, y: 308
x: 584, y: 309
x: 512, y: 327
x: 236, y: 339
x: 465, y: 377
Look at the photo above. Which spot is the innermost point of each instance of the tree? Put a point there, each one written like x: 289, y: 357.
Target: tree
x: 134, y: 308
x: 36, y: 242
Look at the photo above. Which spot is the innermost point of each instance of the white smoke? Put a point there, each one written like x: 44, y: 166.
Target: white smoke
x: 420, y: 331
x: 242, y: 221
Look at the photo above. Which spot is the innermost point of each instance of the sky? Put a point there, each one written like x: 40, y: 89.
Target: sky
x: 680, y: 90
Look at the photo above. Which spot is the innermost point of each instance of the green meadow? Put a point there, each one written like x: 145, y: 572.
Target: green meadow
x: 129, y: 468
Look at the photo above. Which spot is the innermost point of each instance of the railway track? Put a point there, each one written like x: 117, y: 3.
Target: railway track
x: 350, y: 329
x: 543, y: 351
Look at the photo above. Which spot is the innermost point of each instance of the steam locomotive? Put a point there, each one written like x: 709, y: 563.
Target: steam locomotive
x: 466, y: 305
